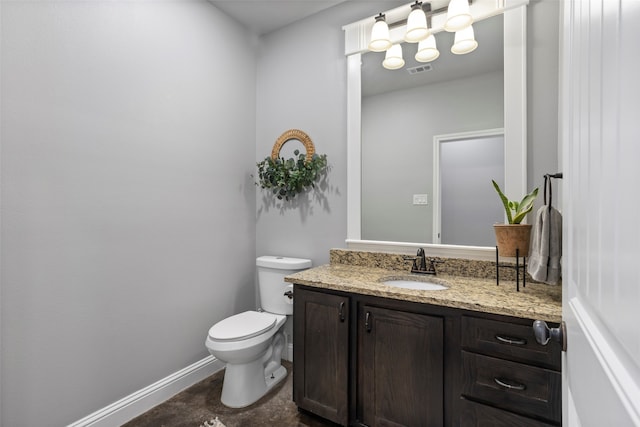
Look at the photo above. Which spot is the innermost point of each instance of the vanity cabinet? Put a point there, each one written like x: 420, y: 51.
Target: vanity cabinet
x: 321, y: 354
x: 371, y: 361
x: 505, y: 369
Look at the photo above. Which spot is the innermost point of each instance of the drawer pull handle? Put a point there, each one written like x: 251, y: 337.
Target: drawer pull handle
x: 510, y: 386
x: 511, y: 340
x: 367, y: 321
x: 341, y: 313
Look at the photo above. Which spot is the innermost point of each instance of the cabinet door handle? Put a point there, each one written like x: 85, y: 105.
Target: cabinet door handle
x: 510, y: 385
x: 367, y: 321
x: 511, y: 340
x: 341, y: 312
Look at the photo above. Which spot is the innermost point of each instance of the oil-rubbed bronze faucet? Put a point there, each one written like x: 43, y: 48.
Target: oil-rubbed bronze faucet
x: 422, y: 264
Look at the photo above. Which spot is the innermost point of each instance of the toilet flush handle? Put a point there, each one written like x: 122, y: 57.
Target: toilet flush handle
x: 289, y: 294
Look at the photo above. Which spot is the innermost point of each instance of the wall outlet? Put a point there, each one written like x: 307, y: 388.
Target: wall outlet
x: 420, y: 199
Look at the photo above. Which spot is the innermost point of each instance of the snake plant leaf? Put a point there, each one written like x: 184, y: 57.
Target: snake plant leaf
x: 516, y: 211
x: 525, y: 206
x: 505, y: 201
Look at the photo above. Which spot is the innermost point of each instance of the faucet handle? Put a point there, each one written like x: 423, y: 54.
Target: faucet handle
x: 432, y: 264
x: 413, y: 259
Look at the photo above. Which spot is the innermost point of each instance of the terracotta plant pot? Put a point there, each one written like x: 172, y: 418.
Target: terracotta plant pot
x: 510, y: 237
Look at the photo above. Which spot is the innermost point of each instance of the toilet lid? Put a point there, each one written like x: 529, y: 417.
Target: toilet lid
x: 242, y: 326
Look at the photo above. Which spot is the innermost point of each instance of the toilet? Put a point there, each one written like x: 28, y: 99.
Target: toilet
x: 251, y: 343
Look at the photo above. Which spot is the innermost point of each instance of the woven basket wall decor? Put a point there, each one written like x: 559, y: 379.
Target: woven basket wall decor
x: 293, y: 134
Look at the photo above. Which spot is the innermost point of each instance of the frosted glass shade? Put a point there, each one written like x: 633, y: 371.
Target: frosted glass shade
x: 427, y: 50
x: 458, y: 16
x: 379, y: 35
x: 464, y: 41
x: 416, y: 25
x: 393, y: 59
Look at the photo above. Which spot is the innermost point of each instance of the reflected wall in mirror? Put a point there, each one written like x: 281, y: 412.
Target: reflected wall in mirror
x: 402, y: 112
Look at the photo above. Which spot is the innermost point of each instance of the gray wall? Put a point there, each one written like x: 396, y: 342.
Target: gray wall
x: 543, y: 31
x: 397, y: 151
x: 127, y: 207
x: 302, y: 80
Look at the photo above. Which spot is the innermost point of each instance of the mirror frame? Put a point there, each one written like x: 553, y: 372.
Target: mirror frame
x: 515, y: 120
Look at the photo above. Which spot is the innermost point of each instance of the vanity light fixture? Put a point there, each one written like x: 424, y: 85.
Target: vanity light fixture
x: 458, y: 16
x: 393, y: 58
x: 380, y: 35
x: 464, y: 41
x: 417, y: 28
x: 417, y: 23
x: 427, y: 50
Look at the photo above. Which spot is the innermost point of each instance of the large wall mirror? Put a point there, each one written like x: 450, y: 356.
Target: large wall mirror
x: 400, y: 121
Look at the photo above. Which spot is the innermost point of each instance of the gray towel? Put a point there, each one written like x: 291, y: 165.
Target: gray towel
x: 545, y: 250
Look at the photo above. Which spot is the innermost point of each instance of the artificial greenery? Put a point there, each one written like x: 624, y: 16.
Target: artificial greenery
x: 286, y: 178
x: 516, y: 211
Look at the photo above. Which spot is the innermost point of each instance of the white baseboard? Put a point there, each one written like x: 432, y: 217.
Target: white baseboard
x: 141, y: 401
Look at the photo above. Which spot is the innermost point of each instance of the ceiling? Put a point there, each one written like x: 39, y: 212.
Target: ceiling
x: 265, y: 16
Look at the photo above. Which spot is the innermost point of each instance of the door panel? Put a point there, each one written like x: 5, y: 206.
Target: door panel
x: 601, y: 283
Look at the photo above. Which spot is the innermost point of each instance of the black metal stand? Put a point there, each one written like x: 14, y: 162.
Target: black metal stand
x: 517, y: 268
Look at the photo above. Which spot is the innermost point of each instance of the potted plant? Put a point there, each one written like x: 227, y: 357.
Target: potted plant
x: 286, y: 178
x: 514, y: 235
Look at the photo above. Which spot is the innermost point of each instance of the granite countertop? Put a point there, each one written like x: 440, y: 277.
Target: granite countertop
x: 535, y: 301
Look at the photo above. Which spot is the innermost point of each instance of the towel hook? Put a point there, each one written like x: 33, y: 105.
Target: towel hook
x: 547, y: 184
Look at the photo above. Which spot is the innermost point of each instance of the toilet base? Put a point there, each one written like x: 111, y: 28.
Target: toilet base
x: 247, y: 383
x: 275, y: 378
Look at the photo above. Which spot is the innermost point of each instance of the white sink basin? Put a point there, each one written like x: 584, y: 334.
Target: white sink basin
x: 415, y: 284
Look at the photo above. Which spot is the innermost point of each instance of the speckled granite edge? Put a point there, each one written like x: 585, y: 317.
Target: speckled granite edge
x: 450, y: 266
x: 362, y: 273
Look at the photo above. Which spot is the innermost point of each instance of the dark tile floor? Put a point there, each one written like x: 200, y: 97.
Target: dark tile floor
x: 201, y: 402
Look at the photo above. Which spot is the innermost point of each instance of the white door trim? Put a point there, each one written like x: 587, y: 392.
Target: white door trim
x: 609, y: 359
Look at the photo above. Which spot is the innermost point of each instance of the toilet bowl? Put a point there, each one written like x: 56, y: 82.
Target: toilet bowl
x: 245, y: 343
x: 251, y: 343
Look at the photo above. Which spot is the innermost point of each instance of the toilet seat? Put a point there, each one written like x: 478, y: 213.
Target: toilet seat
x: 242, y: 326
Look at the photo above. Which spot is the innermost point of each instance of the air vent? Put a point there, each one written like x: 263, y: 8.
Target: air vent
x: 420, y: 69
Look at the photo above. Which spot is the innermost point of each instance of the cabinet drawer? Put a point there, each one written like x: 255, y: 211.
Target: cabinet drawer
x: 510, y: 340
x: 474, y: 414
x: 519, y: 388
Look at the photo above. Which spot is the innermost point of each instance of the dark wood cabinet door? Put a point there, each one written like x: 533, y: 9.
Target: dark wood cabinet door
x: 400, y: 381
x: 321, y: 354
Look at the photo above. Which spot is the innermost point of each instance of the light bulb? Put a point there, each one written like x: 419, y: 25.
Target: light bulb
x: 458, y: 16
x: 427, y: 50
x: 416, y: 24
x: 464, y: 41
x: 379, y: 35
x: 393, y: 59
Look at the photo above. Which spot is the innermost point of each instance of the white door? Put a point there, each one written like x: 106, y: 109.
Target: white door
x: 600, y: 105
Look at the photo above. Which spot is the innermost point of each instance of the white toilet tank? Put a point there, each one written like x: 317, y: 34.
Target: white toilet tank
x: 271, y: 273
